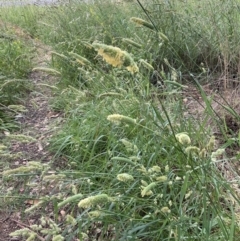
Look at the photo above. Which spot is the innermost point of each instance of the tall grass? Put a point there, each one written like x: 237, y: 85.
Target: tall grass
x: 135, y: 166
x: 15, y: 65
x: 199, y: 35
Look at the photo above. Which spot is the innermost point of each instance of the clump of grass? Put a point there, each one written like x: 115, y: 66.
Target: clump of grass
x: 15, y: 58
x: 15, y: 66
x: 134, y: 164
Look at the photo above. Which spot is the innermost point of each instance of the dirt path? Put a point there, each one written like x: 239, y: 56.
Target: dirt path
x: 37, y: 123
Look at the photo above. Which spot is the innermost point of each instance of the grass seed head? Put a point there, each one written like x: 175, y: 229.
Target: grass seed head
x: 71, y: 220
x: 47, y: 70
x: 192, y: 150
x: 54, y: 177
x: 94, y: 214
x: 35, y: 206
x: 118, y: 119
x: 147, y: 191
x: 21, y: 138
x: 162, y: 179
x: 183, y: 138
x: 81, y: 60
x: 125, y: 177
x: 165, y: 210
x: 142, y: 22
x: 116, y: 57
x: 130, y: 147
x: 23, y: 169
x: 217, y: 154
x: 203, y: 153
x: 146, y: 65
x: 58, y: 238
x: 131, y: 42
x: 211, y: 144
x: 23, y: 232
x: 154, y: 169
x: 163, y: 37
x: 93, y: 200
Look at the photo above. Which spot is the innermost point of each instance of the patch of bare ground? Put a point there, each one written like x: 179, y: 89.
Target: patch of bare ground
x: 221, y: 112
x: 38, y: 123
x: 224, y: 106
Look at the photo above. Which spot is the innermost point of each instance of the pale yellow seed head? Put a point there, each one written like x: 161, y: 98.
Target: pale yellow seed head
x: 125, y: 177
x: 203, y: 153
x: 146, y: 65
x: 146, y: 191
x: 58, y: 238
x: 116, y: 57
x: 71, y: 220
x: 93, y: 200
x: 192, y: 150
x: 217, y: 154
x: 154, y: 169
x: 130, y: 147
x: 118, y: 119
x: 162, y: 179
x: 165, y: 210
x: 142, y: 22
x: 183, y: 138
x: 211, y: 144
x: 131, y: 42
x: 94, y: 214
x: 144, y: 183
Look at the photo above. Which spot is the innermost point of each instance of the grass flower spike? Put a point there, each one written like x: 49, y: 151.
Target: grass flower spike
x: 146, y: 191
x: 192, y: 150
x: 116, y: 57
x: 81, y: 60
x: 131, y: 42
x: 130, y: 147
x: 21, y: 138
x: 211, y: 144
x: 183, y: 138
x: 154, y: 169
x: 146, y: 65
x: 47, y: 70
x: 94, y: 214
x: 31, y: 167
x: 69, y: 200
x: 93, y: 200
x: 71, y: 220
x: 118, y: 119
x: 165, y: 210
x: 163, y: 37
x: 217, y: 154
x: 125, y: 177
x: 162, y: 178
x: 142, y: 22
x: 58, y: 238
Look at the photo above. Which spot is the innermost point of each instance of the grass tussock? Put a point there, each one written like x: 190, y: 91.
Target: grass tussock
x: 138, y: 165
x: 15, y: 65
